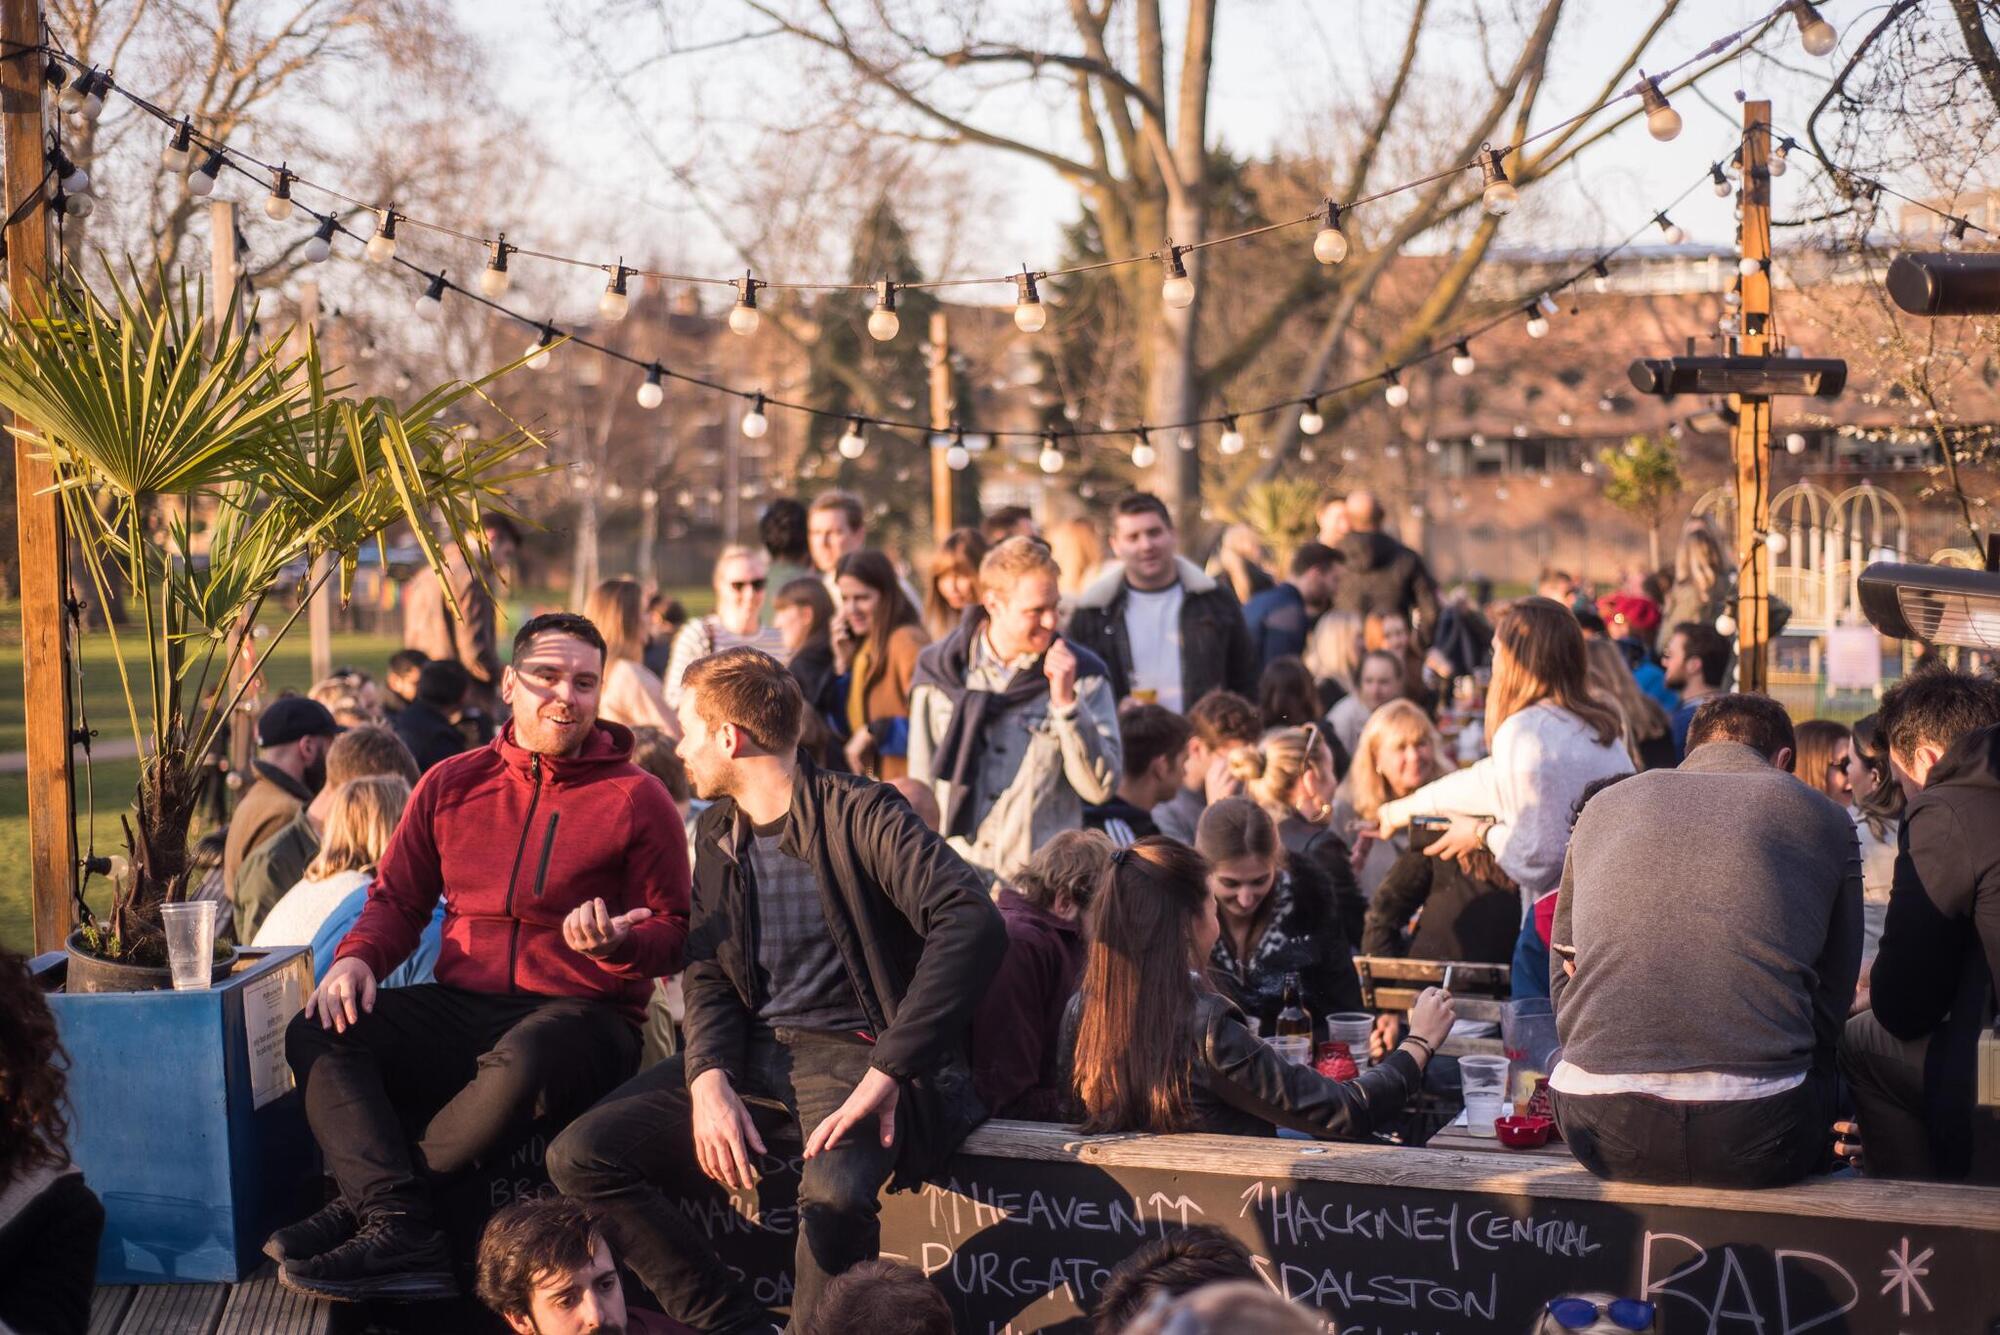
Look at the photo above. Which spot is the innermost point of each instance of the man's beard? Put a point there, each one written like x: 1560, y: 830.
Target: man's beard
x: 315, y: 775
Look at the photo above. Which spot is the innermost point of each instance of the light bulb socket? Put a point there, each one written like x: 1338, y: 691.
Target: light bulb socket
x: 1330, y: 216
x: 386, y: 228
x: 496, y: 259
x: 1958, y: 229
x: 1715, y: 175
x: 1492, y: 165
x: 655, y: 373
x: 282, y: 187
x: 548, y: 336
x: 885, y: 296
x: 183, y: 140
x: 1025, y: 292
x: 746, y: 290
x: 1601, y: 269
x: 434, y: 290
x: 327, y: 226
x: 54, y: 75
x: 1171, y: 257
x: 619, y: 273
x: 211, y: 166
x: 1650, y: 96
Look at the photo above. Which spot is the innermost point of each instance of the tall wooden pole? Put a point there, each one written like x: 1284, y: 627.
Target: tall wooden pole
x: 1750, y: 439
x: 942, y: 411
x: 51, y: 819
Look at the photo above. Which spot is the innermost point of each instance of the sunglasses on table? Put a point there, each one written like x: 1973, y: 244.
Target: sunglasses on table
x: 1582, y: 1313
x: 741, y: 584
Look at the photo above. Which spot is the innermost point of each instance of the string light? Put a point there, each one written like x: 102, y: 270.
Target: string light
x: 54, y: 75
x: 1817, y: 35
x: 382, y: 245
x: 1954, y: 234
x: 180, y: 149
x: 85, y: 97
x: 616, y: 301
x: 278, y: 204
x: 1499, y: 195
x: 1232, y: 439
x: 1051, y: 460
x: 852, y: 443
x: 540, y: 351
x: 755, y: 424
x: 1330, y: 246
x: 651, y: 392
x: 1749, y: 267
x: 203, y: 180
x: 1670, y: 229
x: 1143, y: 453
x: 956, y: 455
x: 1538, y: 323
x: 1030, y: 316
x: 64, y: 172
x: 1777, y: 543
x: 1177, y: 289
x: 743, y: 316
x: 431, y: 304
x: 321, y: 243
x: 1461, y: 359
x: 1781, y: 157
x: 883, y: 322
x: 1396, y: 394
x: 1725, y: 625
x: 1723, y: 189
x: 1310, y: 421
x: 494, y: 278
x: 1795, y: 443
x: 1662, y: 121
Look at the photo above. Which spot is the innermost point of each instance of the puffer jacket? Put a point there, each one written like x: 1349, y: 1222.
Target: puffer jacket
x: 1382, y: 575
x: 1304, y: 936
x: 514, y: 840
x: 1216, y: 652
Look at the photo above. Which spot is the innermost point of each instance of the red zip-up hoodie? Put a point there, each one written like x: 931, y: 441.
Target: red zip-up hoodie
x: 514, y: 840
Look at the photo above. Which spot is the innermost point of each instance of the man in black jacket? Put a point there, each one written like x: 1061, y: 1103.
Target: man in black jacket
x: 1168, y: 632
x: 1912, y: 1058
x: 427, y: 724
x: 837, y: 951
x: 1381, y: 574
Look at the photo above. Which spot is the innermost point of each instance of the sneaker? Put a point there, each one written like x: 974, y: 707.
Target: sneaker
x: 320, y: 1231
x: 392, y: 1256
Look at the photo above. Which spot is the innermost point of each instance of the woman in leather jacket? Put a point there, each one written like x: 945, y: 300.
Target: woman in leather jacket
x: 1149, y: 1046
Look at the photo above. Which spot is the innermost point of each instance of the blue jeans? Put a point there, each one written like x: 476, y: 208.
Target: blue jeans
x: 632, y: 1159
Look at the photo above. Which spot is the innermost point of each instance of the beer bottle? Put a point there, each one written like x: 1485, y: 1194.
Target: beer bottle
x: 1294, y: 1034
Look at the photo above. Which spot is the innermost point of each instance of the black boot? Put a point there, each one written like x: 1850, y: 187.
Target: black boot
x: 320, y: 1231
x: 392, y: 1256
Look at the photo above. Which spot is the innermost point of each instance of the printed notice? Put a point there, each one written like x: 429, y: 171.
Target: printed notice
x: 268, y: 1006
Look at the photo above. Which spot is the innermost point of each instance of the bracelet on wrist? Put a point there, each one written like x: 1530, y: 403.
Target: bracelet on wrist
x: 1424, y: 1043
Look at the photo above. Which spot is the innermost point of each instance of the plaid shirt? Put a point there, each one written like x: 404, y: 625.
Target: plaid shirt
x: 805, y: 981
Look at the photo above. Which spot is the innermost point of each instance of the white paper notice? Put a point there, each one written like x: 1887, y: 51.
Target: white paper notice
x: 1853, y: 658
x: 268, y: 1006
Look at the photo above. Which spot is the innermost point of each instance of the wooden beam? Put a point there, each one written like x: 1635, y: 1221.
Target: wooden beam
x: 51, y: 819
x: 942, y: 411
x: 1750, y: 439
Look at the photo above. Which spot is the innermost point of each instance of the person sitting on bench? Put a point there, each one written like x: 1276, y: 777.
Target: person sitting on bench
x: 1150, y: 1046
x: 1699, y: 1001
x: 564, y: 869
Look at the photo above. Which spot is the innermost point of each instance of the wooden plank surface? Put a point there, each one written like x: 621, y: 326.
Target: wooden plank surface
x: 1916, y: 1203
x: 1458, y: 1139
x: 175, y: 1309
x: 262, y: 1306
x: 108, y: 1305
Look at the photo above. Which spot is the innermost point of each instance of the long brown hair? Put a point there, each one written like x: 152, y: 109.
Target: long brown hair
x: 34, y: 1125
x: 1133, y: 1067
x: 617, y: 609
x: 875, y: 570
x: 959, y: 554
x: 1819, y: 740
x: 1611, y: 679
x: 1538, y: 655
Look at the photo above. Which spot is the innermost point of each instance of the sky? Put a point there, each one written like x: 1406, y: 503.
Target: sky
x: 1286, y: 69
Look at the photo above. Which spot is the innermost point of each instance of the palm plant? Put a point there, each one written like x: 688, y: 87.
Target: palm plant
x: 196, y: 468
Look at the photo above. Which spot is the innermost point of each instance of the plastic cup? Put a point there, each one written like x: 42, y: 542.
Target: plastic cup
x: 1296, y: 1049
x: 190, y: 943
x: 1484, y: 1080
x: 1352, y: 1028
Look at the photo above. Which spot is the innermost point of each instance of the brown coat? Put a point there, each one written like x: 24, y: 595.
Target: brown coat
x: 889, y: 698
x: 266, y: 807
x: 471, y: 638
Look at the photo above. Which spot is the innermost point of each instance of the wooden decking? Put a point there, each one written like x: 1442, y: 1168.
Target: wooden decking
x: 258, y: 1306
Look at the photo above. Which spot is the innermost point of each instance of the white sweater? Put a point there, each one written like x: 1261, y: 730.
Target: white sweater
x: 1543, y: 758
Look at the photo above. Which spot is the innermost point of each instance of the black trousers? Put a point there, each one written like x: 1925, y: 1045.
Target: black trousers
x: 632, y: 1157
x: 1768, y: 1142
x: 435, y: 1078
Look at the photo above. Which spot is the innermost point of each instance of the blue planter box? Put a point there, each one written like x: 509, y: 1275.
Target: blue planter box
x: 185, y: 1120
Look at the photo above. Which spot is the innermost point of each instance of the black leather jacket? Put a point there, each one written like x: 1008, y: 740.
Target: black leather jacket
x: 1243, y: 1088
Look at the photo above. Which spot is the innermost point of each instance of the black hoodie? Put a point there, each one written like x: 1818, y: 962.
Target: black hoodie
x: 1382, y: 575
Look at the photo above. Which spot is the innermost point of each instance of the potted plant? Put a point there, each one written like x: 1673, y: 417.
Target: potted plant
x: 197, y: 467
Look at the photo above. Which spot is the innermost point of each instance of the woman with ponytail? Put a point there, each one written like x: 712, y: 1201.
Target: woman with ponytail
x: 1290, y: 773
x: 1152, y: 1047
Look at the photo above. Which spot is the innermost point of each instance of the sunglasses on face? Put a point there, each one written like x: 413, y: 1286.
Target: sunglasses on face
x: 1581, y: 1313
x: 740, y: 585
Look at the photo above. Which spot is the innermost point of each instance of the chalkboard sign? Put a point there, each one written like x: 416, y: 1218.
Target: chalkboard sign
x: 1022, y: 1244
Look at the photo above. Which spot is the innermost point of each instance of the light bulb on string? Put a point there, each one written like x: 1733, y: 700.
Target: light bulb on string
x: 1461, y: 359
x: 743, y: 316
x: 1498, y: 195
x: 651, y: 392
x: 71, y: 97
x: 754, y: 423
x: 1600, y: 277
x: 65, y: 173
x: 1310, y: 421
x: 1396, y: 394
x: 1051, y: 459
x: 202, y: 183
x: 1177, y: 289
x: 1777, y: 543
x: 1143, y: 453
x: 1735, y: 168
x: 382, y: 245
x: 320, y: 244
x: 180, y: 149
x: 1954, y: 234
x: 1781, y: 157
x: 1795, y: 443
x: 1673, y: 232
x: 1030, y: 316
x: 540, y: 352
x: 1330, y: 246
x: 853, y: 443
x: 78, y: 207
x: 278, y: 204
x: 616, y: 300
x: 956, y: 455
x: 1750, y: 267
x: 1723, y: 189
x: 1662, y: 121
x: 1725, y: 625
x: 85, y: 96
x: 1817, y: 35
x: 1231, y: 441
x: 1538, y: 323
x: 494, y: 278
x: 883, y: 323
x: 431, y: 304
x: 54, y: 75
x: 1734, y: 296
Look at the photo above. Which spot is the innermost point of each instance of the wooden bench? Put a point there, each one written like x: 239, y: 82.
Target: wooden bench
x: 257, y: 1306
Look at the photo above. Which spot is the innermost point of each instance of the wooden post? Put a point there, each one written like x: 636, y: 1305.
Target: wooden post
x: 51, y: 820
x: 942, y: 410
x: 1750, y: 439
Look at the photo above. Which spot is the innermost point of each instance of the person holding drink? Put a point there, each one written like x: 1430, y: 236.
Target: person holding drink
x: 877, y: 635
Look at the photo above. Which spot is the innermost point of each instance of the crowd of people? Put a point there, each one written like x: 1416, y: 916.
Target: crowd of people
x: 1087, y: 832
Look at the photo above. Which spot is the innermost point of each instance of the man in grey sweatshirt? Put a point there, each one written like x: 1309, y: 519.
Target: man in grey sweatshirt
x: 1706, y: 945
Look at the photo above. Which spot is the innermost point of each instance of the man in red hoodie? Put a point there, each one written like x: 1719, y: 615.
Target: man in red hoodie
x: 564, y: 870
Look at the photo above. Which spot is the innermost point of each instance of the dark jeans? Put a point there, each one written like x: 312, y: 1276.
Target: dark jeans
x: 632, y: 1157
x: 1769, y: 1142
x: 435, y: 1078
x: 1886, y: 1074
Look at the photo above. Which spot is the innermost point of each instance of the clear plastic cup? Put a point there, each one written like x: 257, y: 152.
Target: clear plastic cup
x: 1484, y: 1080
x: 1352, y: 1028
x: 190, y: 943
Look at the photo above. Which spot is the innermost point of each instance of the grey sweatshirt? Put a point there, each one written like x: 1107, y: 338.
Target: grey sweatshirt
x: 1716, y: 914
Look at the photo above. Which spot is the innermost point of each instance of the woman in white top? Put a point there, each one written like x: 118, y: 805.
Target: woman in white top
x: 1549, y: 738
x: 740, y: 576
x: 631, y: 694
x: 1400, y: 751
x: 1878, y: 817
x: 1379, y: 681
x: 358, y: 825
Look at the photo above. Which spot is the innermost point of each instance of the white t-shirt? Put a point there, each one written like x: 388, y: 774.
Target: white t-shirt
x: 1153, y: 628
x: 295, y: 919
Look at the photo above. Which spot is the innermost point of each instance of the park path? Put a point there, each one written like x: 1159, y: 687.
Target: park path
x: 116, y: 748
